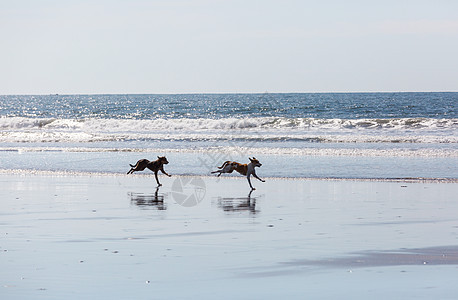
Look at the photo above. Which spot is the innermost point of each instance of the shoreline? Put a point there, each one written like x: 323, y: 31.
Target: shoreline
x: 34, y: 172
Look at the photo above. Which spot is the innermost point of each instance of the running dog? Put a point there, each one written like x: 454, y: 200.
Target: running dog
x: 244, y: 169
x: 155, y: 166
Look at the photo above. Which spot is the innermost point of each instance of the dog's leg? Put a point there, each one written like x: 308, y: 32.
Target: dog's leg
x: 162, y: 170
x: 157, y: 180
x: 132, y: 168
x: 139, y: 166
x: 223, y: 166
x: 249, y: 182
x: 256, y: 176
x: 219, y: 171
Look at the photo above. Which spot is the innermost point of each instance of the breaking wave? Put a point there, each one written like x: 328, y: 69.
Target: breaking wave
x: 225, y: 124
x: 401, y: 130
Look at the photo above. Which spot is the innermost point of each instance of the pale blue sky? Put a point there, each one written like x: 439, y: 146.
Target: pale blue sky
x: 135, y: 46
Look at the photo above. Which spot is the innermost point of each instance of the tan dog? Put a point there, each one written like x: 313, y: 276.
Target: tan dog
x: 155, y: 166
x: 244, y: 169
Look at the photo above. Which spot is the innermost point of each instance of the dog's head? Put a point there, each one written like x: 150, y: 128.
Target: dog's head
x: 255, y: 162
x: 163, y: 160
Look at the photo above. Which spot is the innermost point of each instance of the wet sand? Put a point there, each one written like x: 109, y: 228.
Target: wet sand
x: 66, y: 236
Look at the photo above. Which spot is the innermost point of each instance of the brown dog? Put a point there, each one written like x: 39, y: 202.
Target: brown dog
x: 155, y: 166
x: 244, y: 169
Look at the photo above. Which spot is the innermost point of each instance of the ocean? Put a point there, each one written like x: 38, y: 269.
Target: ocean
x: 297, y: 135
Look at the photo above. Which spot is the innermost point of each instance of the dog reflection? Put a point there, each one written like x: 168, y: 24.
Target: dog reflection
x: 238, y: 204
x: 145, y: 200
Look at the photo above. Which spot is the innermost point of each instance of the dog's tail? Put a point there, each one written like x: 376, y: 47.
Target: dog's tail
x: 224, y: 164
x: 132, y: 166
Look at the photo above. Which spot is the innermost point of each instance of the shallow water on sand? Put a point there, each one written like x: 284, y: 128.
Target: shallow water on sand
x: 118, y: 237
x: 201, y: 163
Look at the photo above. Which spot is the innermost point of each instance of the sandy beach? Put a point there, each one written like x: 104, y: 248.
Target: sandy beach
x: 77, y: 236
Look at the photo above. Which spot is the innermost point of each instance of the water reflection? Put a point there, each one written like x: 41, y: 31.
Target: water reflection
x: 239, y: 204
x: 148, y: 200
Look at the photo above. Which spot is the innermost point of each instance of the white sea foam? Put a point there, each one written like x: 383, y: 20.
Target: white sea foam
x: 418, y: 130
x: 223, y: 124
x: 236, y: 150
x: 86, y: 137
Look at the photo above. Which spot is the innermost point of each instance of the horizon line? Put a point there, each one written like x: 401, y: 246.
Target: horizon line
x: 223, y: 93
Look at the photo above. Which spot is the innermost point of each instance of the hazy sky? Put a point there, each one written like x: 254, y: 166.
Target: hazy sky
x: 113, y: 46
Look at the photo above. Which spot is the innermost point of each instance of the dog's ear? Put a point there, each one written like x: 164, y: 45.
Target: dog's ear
x: 159, y: 157
x: 251, y: 159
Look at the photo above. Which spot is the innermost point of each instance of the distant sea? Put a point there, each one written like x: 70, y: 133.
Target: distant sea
x: 300, y: 135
